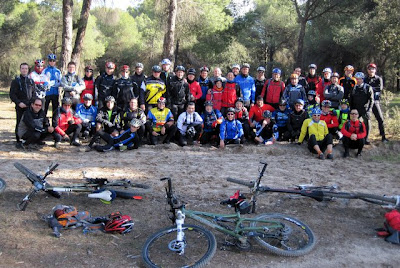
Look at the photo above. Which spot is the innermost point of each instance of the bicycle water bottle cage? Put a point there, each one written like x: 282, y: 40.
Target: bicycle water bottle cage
x: 100, y: 181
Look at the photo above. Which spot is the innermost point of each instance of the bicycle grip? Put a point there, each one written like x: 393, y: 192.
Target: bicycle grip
x: 53, y: 167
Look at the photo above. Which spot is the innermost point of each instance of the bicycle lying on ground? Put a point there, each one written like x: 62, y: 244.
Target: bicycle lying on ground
x: 2, y: 185
x: 187, y: 245
x: 319, y: 193
x: 101, y: 188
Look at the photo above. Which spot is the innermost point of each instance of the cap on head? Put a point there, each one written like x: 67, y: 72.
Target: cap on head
x: 282, y: 102
x: 230, y: 110
x: 344, y: 101
x: 125, y: 68
x: 88, y: 68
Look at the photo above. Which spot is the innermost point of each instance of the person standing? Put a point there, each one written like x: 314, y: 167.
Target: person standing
x: 348, y: 81
x: 260, y: 80
x: 247, y: 86
x: 54, y: 75
x: 178, y: 92
x: 376, y: 83
x: 273, y: 89
x: 21, y: 92
x: 104, y: 84
x: 89, y: 83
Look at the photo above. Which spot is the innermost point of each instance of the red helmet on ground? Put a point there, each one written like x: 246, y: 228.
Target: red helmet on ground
x: 119, y: 223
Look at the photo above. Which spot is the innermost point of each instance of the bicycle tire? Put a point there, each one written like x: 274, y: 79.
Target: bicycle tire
x: 32, y: 176
x: 199, y: 241
x: 245, y: 183
x: 300, y: 241
x: 128, y: 192
x: 2, y: 185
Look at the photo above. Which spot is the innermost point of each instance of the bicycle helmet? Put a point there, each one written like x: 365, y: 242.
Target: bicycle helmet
x: 204, y: 69
x: 261, y: 69
x: 230, y: 110
x: 88, y: 68
x: 335, y: 74
x: 162, y: 100
x: 371, y: 65
x: 239, y: 99
x: 125, y: 68
x: 192, y: 71
x: 208, y: 103
x: 235, y: 66
x: 139, y: 65
x: 267, y: 114
x: 109, y: 98
x: 282, y: 102
x: 245, y: 65
x: 119, y: 223
x: 276, y: 71
x: 344, y: 101
x: 299, y: 101
x: 156, y: 69
x: 326, y: 103
x: 191, y: 132
x: 312, y: 93
x: 135, y: 123
x: 316, y: 110
x: 39, y: 63
x: 218, y: 79
x: 110, y: 65
x: 66, y: 101
x: 349, y: 68
x: 52, y: 57
x: 327, y: 70
x: 296, y: 76
x: 312, y: 66
x: 179, y: 68
x: 359, y: 75
x: 166, y: 61
x: 88, y: 96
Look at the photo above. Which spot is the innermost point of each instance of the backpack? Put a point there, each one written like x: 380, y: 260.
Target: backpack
x: 391, y: 229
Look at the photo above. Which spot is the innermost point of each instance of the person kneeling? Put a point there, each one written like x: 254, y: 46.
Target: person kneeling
x: 354, y: 134
x: 231, y: 131
x: 267, y: 131
x: 319, y: 136
x: 34, y: 125
x: 128, y: 139
x: 189, y: 125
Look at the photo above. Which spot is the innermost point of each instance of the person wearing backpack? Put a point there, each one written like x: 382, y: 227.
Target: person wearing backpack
x: 354, y: 134
x: 273, y: 89
x: 362, y: 99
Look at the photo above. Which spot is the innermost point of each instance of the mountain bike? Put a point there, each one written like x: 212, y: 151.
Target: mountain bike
x: 318, y: 193
x: 2, y: 185
x: 188, y: 245
x: 101, y: 188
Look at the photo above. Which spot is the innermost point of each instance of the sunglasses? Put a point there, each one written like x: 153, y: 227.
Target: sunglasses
x: 38, y: 105
x: 316, y: 115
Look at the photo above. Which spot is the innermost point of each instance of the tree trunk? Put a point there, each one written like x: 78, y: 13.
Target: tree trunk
x: 66, y: 49
x: 176, y: 52
x: 168, y: 47
x: 80, y: 35
x: 300, y: 44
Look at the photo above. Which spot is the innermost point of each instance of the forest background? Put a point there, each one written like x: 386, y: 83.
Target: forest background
x: 273, y: 33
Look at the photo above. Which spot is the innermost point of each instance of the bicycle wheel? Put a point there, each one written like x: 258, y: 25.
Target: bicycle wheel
x: 32, y: 176
x: 2, y: 185
x: 245, y: 183
x: 200, y: 246
x: 127, y: 190
x: 294, y: 238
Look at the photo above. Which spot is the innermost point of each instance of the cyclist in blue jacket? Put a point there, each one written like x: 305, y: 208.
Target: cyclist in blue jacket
x: 231, y: 131
x: 267, y: 131
x: 87, y: 112
x: 247, y: 86
x: 281, y: 117
x: 54, y: 75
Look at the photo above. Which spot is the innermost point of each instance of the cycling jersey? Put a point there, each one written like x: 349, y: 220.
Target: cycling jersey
x: 158, y: 118
x: 54, y: 76
x: 231, y: 130
x: 155, y: 88
x: 319, y: 129
x: 247, y: 87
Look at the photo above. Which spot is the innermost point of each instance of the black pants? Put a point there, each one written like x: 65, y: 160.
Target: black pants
x: 295, y: 134
x: 350, y: 144
x: 207, y: 137
x: 75, y: 129
x: 312, y: 141
x: 284, y: 134
x: 31, y: 137
x: 54, y: 103
x: 177, y: 109
x: 377, y: 111
x: 200, y: 105
x: 19, y: 112
x: 170, y: 131
x: 181, y: 138
x: 367, y: 123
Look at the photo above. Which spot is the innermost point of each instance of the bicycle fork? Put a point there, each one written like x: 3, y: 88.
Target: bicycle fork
x: 179, y: 244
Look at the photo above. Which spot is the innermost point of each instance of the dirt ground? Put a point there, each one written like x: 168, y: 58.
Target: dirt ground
x: 344, y: 229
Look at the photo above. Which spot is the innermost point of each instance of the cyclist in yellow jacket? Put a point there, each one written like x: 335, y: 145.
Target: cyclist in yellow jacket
x: 154, y: 88
x: 319, y: 137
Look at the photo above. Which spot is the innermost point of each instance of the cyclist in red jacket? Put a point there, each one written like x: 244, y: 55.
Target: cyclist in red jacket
x: 273, y: 89
x: 354, y: 133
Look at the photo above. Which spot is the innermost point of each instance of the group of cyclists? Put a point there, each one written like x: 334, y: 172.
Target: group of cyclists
x: 126, y: 111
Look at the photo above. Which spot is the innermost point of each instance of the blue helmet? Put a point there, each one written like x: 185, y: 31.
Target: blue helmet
x: 359, y: 75
x: 312, y: 92
x: 52, y: 56
x: 276, y: 71
x: 316, y: 110
x: 165, y: 61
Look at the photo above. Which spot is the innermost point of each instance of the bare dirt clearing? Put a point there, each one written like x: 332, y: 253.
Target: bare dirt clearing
x: 345, y: 230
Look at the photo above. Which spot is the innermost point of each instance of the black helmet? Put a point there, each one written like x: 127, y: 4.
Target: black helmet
x: 179, y: 68
x: 230, y: 110
x: 109, y: 98
x: 66, y: 100
x: 208, y: 103
x: 312, y: 92
x: 240, y: 99
x: 282, y: 102
x: 156, y: 69
x: 267, y: 114
x: 191, y: 71
x: 204, y: 69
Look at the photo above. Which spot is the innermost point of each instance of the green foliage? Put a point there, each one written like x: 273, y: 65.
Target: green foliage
x: 95, y: 45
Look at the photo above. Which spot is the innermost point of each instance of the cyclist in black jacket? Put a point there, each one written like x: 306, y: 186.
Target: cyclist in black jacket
x: 21, y: 91
x: 178, y: 92
x: 104, y: 85
x: 376, y: 83
x: 125, y: 89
